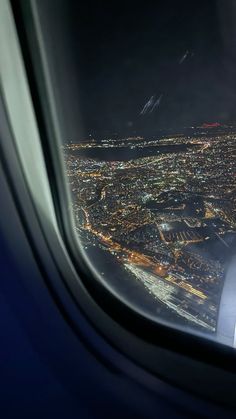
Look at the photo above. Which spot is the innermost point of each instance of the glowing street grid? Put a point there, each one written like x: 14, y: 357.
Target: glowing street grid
x: 165, y: 209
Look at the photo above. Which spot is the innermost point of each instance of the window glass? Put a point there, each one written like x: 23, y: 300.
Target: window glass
x: 147, y: 101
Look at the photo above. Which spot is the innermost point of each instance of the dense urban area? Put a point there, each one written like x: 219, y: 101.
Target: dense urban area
x: 165, y: 209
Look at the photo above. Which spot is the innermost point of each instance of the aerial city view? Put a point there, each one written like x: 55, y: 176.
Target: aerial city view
x: 149, y: 150
x: 165, y: 209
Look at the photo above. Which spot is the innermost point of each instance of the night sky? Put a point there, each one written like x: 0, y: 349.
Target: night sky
x: 111, y: 58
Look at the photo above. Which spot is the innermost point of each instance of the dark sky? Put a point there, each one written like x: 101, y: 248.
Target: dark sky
x: 111, y: 57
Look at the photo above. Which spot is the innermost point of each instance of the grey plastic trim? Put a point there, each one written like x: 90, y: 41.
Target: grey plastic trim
x: 21, y: 116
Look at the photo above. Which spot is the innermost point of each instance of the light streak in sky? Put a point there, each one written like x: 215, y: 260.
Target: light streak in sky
x: 147, y: 105
x: 183, y: 58
x: 151, y: 105
x: 157, y: 103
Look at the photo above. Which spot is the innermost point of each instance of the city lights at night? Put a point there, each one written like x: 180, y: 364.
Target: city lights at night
x: 166, y: 213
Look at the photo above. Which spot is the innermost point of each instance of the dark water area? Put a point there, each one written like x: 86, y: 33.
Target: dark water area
x: 193, y: 207
x: 128, y: 153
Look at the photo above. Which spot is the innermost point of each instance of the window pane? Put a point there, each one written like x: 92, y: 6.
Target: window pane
x: 147, y: 99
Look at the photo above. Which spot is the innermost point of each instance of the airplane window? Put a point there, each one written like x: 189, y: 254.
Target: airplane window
x: 147, y: 98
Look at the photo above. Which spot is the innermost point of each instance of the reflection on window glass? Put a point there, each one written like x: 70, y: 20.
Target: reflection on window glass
x: 152, y: 174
